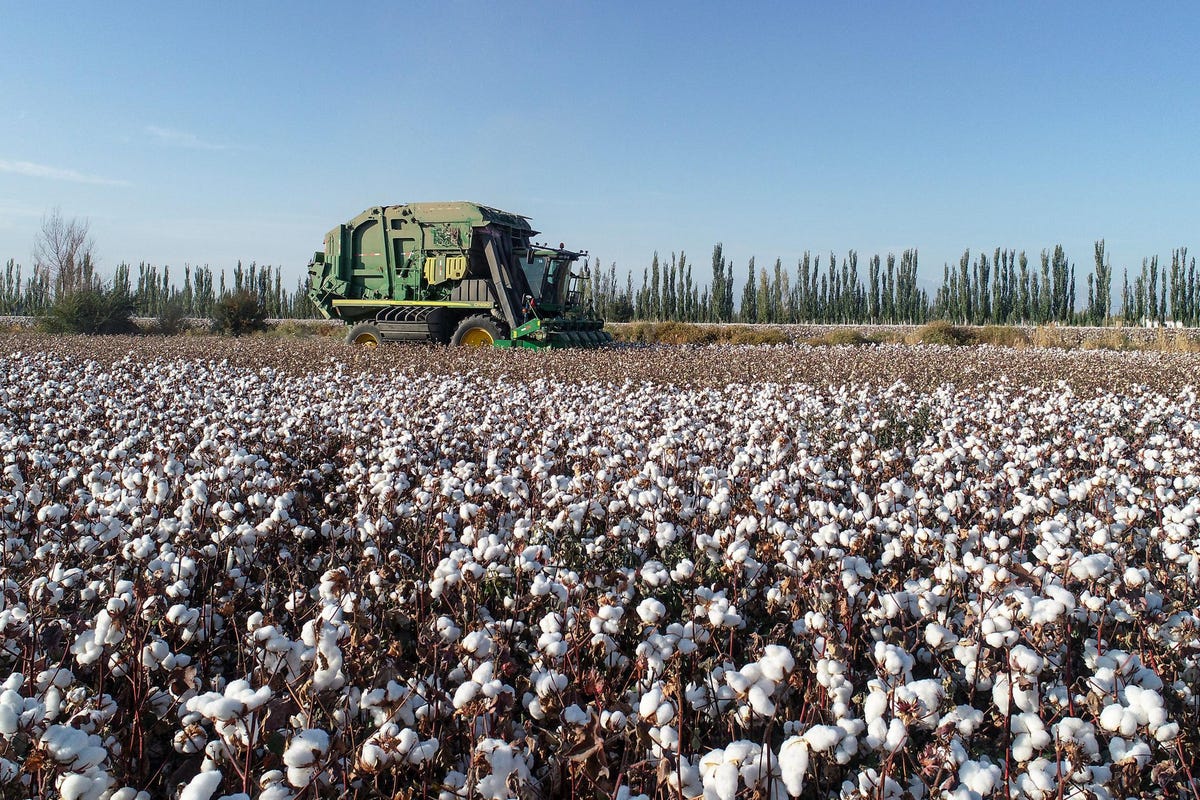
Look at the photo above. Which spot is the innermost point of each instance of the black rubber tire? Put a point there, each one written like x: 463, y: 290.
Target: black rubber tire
x: 364, y: 334
x: 471, y: 327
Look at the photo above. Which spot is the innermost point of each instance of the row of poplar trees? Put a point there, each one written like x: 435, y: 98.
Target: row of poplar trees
x: 833, y: 293
x: 154, y: 289
x: 997, y: 289
x: 1000, y: 288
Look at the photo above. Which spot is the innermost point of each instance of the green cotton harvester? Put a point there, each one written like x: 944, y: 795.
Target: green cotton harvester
x: 453, y: 273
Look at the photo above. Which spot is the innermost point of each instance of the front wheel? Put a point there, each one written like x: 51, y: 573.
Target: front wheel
x: 365, y: 335
x: 479, y: 331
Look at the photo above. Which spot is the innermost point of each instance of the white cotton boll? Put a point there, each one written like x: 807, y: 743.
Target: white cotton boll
x: 650, y: 701
x: 776, y: 662
x: 73, y: 786
x: 424, y: 751
x: 738, y: 681
x: 966, y: 653
x: 328, y: 674
x: 478, y: 643
x: 507, y: 769
x: 979, y: 777
x: 651, y: 610
x: 893, y: 660
x: 897, y: 735
x: 1167, y: 732
x: 447, y: 630
x: 1074, y: 729
x: 273, y: 787
x: 302, y: 754
x: 155, y: 653
x: 848, y: 747
x: 1123, y: 752
x: 407, y: 739
x: 202, y: 787
x: 574, y: 715
x: 9, y: 718
x: 723, y: 782
x: 752, y: 673
x: 1118, y: 718
x: 252, y: 699
x: 823, y: 737
x: 928, y: 693
x: 709, y: 763
x: 483, y: 674
x: 189, y: 740
x: 1038, y: 780
x: 760, y: 699
x: 731, y: 619
x: 129, y: 793
x: 1091, y: 567
x: 683, y: 570
x: 1147, y: 705
x: 1025, y: 660
x: 465, y: 693
x: 372, y: 758
x: 1046, y: 612
x: 1002, y: 693
x: 60, y: 678
x: 875, y: 705
x: 549, y: 683
x: 300, y: 777
x: 936, y: 635
x: 1031, y: 736
x: 793, y: 764
x: 754, y: 767
x: 72, y: 747
x: 998, y: 632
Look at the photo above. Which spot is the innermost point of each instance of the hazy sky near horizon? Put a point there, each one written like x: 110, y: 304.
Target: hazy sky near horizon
x: 213, y: 132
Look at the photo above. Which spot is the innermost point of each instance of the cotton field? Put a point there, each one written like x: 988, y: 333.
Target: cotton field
x: 274, y: 569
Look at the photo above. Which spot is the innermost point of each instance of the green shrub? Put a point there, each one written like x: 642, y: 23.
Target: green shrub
x: 685, y: 333
x: 91, y: 311
x: 1176, y: 341
x: 239, y: 313
x: 666, y: 333
x: 757, y: 336
x: 940, y: 332
x: 1051, y: 335
x: 1116, y: 340
x: 697, y: 333
x: 294, y: 329
x: 172, y: 319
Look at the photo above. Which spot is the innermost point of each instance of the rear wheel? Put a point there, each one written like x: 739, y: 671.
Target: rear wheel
x: 478, y: 331
x: 365, y: 334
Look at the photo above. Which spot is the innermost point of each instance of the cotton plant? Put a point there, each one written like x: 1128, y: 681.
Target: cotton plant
x: 351, y: 579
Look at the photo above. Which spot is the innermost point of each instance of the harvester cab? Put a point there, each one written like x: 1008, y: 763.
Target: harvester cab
x: 555, y: 288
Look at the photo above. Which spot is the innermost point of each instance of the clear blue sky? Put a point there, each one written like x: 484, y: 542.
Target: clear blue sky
x: 211, y: 132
